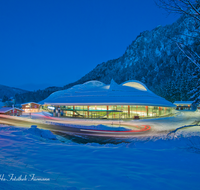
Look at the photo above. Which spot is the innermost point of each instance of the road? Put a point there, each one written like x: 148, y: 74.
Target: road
x: 78, y: 131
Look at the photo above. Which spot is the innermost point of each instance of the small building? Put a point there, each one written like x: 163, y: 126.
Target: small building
x: 183, y: 105
x: 11, y: 111
x: 31, y: 107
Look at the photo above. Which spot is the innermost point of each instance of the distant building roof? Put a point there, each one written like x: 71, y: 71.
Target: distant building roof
x: 6, y: 109
x: 183, y: 102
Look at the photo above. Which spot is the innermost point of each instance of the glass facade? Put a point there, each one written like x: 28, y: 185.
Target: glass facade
x: 113, y: 111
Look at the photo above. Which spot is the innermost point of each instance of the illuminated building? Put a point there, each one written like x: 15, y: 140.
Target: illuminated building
x: 94, y: 99
x: 11, y: 111
x: 31, y: 107
x: 185, y: 105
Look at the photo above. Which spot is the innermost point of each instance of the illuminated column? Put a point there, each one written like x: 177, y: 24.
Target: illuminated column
x: 128, y: 111
x: 160, y: 111
x: 73, y: 111
x: 107, y: 111
x: 88, y: 108
x: 147, y: 110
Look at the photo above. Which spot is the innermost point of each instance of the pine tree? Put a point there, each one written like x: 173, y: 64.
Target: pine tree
x: 5, y: 98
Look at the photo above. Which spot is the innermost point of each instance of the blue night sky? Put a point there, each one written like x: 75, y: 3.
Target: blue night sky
x: 46, y: 42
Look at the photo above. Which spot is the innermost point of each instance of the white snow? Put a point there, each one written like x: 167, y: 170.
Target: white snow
x: 95, y: 93
x: 41, y: 132
x: 156, y: 163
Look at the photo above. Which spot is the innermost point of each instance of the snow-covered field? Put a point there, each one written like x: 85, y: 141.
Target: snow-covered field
x: 46, y: 161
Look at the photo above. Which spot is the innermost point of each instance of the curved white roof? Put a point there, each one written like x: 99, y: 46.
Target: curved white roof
x: 135, y: 84
x: 97, y: 93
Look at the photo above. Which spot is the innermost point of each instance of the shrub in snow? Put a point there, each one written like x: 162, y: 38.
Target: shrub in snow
x: 105, y: 127
x: 100, y: 127
x: 41, y: 132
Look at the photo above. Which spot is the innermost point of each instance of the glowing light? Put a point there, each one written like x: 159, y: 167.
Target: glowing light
x: 51, y: 108
x: 135, y: 85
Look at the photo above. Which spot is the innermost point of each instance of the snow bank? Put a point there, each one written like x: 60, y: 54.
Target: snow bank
x: 101, y: 127
x: 93, y: 127
x: 108, y: 128
x: 41, y: 133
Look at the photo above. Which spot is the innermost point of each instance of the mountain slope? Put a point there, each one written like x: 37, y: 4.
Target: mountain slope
x: 155, y: 59
x: 36, y: 96
x: 10, y: 91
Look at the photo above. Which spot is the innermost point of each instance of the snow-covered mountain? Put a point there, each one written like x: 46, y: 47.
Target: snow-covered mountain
x: 152, y: 58
x: 10, y: 91
x: 33, y: 87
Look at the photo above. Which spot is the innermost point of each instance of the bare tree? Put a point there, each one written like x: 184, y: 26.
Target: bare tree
x: 186, y: 7
x: 191, y: 9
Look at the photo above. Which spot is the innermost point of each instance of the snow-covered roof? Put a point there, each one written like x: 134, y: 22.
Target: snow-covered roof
x: 183, y: 102
x: 135, y: 84
x: 30, y: 103
x: 97, y: 93
x: 6, y: 109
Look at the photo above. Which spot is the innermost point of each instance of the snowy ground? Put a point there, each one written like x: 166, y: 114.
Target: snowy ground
x: 149, y: 163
